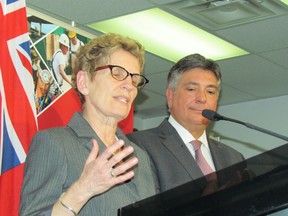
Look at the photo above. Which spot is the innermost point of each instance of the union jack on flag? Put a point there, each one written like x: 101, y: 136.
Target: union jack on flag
x: 18, y: 122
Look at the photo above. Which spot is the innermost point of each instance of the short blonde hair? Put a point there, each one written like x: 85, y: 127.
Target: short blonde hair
x: 97, y: 53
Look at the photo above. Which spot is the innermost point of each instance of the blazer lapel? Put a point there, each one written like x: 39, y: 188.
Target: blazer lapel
x: 173, y: 142
x: 218, y: 155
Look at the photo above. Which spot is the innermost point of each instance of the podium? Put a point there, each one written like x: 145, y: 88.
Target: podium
x: 259, y: 189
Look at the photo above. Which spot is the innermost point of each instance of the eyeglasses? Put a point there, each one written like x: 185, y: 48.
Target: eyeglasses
x: 119, y: 73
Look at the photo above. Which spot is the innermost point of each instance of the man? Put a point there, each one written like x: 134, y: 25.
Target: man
x: 193, y: 85
x: 59, y: 61
x: 75, y: 44
x: 43, y: 97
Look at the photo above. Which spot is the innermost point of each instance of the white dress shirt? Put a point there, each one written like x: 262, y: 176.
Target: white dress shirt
x: 187, y: 138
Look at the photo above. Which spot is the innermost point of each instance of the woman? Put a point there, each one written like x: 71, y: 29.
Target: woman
x: 89, y: 167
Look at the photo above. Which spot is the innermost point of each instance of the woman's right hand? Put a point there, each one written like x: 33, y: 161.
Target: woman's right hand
x: 101, y: 172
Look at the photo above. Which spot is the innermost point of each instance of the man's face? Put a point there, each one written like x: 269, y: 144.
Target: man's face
x: 43, y: 87
x: 65, y: 49
x: 74, y: 40
x: 196, y: 90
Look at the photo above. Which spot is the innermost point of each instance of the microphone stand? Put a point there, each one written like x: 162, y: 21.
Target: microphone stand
x: 219, y: 117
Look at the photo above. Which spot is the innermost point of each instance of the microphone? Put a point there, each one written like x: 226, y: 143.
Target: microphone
x: 214, y: 116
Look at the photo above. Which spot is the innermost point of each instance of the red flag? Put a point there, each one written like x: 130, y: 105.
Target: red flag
x: 127, y: 124
x: 18, y: 114
x: 60, y: 111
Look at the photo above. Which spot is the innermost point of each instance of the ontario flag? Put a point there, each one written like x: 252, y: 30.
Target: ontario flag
x: 17, y: 108
x: 18, y: 120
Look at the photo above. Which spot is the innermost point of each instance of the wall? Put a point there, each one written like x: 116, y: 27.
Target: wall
x: 271, y: 114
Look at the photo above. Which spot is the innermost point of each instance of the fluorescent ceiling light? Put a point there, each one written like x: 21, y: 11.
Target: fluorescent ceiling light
x: 168, y: 36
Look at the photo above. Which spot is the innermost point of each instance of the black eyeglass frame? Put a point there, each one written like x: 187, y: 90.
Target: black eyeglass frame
x: 145, y: 80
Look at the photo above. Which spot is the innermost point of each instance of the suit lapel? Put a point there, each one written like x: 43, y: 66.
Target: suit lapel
x: 84, y: 131
x: 173, y: 142
x: 218, y: 155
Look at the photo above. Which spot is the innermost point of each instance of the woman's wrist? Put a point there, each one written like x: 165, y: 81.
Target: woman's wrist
x: 66, y: 206
x: 73, y: 200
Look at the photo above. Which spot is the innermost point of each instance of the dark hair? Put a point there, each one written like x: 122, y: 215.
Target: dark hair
x: 190, y: 62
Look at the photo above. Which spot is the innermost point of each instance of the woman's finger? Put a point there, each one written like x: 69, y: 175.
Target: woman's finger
x: 111, y: 150
x: 124, y: 167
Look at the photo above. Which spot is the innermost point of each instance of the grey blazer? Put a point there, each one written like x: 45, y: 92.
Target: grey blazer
x: 173, y: 163
x: 55, y: 161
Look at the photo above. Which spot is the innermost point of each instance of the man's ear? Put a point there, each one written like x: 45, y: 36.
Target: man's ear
x: 169, y: 97
x: 82, y: 82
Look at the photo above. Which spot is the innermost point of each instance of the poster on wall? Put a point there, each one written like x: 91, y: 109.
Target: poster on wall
x: 53, y: 50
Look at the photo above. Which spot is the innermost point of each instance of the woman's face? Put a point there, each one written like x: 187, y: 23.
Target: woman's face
x: 111, y: 98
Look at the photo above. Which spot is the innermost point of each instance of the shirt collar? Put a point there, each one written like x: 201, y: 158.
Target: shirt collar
x: 185, y: 135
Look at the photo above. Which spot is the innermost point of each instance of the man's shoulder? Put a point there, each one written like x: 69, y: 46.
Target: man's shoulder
x: 58, y: 53
x: 165, y: 128
x: 144, y: 133
x: 224, y: 148
x: 152, y: 130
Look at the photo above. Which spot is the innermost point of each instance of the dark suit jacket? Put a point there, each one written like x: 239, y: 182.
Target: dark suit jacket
x: 173, y: 163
